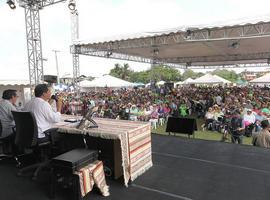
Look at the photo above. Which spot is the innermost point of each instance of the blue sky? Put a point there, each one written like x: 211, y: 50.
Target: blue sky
x: 105, y: 18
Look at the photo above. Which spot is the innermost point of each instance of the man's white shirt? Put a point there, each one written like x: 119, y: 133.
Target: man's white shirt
x: 44, y: 114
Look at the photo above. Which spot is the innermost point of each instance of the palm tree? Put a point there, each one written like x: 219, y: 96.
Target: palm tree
x: 125, y: 71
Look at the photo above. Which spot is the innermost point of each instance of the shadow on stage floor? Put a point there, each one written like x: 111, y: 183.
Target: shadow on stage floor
x: 183, y: 169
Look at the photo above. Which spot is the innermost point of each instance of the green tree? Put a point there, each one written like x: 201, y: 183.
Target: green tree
x: 227, y: 74
x: 189, y: 73
x: 140, y: 77
x: 124, y: 72
x: 164, y: 73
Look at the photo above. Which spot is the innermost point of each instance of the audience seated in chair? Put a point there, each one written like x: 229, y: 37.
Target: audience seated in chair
x: 262, y: 139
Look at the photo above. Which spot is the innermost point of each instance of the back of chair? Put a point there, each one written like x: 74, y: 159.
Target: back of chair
x: 26, y: 129
x: 1, y: 128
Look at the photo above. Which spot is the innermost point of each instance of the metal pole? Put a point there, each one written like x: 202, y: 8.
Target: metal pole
x: 56, y: 63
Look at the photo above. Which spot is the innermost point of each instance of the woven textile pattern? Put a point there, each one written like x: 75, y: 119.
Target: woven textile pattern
x: 135, y: 141
x: 90, y: 175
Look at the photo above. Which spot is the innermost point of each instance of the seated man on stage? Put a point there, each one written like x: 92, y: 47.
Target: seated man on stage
x: 42, y: 110
x: 6, y: 106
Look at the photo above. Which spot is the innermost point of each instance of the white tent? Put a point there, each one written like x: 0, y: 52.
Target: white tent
x: 178, y: 83
x: 225, y: 81
x: 161, y: 83
x: 147, y: 84
x: 106, y: 81
x: 85, y: 83
x: 22, y: 87
x: 188, y: 81
x: 263, y: 79
x: 207, y: 79
x: 60, y: 87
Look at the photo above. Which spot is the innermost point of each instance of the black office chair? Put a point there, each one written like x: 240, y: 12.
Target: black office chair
x: 27, y: 138
x: 6, y: 141
x: 2, y: 141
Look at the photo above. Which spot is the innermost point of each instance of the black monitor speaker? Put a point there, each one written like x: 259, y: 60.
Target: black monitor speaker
x: 181, y: 125
x: 50, y: 78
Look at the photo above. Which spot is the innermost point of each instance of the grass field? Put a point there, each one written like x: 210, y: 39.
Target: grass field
x: 200, y: 134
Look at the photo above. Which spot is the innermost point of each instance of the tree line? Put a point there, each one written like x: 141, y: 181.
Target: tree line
x: 165, y: 73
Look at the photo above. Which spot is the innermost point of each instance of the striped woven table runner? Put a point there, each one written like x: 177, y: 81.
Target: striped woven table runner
x: 90, y: 175
x: 135, y: 141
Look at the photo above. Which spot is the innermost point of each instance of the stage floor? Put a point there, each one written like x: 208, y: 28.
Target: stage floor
x: 183, y: 169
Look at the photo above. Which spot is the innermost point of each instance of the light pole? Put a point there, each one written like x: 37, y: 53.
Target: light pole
x: 56, y: 63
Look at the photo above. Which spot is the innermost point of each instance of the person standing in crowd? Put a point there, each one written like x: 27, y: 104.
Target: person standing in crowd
x: 262, y: 139
x: 6, y: 106
x: 42, y: 110
x: 237, y: 128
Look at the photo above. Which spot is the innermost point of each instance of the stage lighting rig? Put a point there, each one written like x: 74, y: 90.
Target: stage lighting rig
x: 72, y: 5
x: 11, y: 4
x: 33, y: 34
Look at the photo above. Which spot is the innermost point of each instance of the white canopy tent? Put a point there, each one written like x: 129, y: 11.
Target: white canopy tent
x: 178, y: 83
x: 161, y: 83
x: 106, y: 81
x: 261, y: 80
x: 208, y: 79
x: 188, y: 81
x: 86, y: 83
x: 22, y: 87
x: 225, y: 81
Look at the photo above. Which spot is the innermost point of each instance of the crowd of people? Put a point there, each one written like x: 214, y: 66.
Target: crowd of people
x: 236, y: 111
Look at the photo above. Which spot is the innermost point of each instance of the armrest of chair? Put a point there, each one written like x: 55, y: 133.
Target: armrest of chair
x: 51, y: 133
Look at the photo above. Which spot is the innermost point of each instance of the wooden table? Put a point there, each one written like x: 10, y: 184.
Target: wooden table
x: 134, y: 143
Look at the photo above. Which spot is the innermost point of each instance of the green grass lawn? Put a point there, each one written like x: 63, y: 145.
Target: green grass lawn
x: 200, y: 134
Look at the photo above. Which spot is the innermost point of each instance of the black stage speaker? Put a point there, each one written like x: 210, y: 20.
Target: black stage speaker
x: 50, y: 78
x: 181, y: 125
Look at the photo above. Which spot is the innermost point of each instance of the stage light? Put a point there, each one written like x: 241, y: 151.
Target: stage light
x: 11, y: 4
x: 71, y: 5
x: 235, y: 45
x: 109, y: 53
x: 188, y: 34
x: 156, y: 51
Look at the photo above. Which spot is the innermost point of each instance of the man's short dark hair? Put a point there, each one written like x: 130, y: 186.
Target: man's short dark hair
x: 8, y: 94
x: 40, y: 89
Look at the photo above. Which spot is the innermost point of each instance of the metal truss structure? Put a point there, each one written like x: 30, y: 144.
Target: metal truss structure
x: 214, y: 34
x: 33, y: 37
x: 254, y: 65
x: 126, y: 49
x: 75, y: 36
x: 221, y: 58
x: 34, y: 48
x: 117, y: 56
